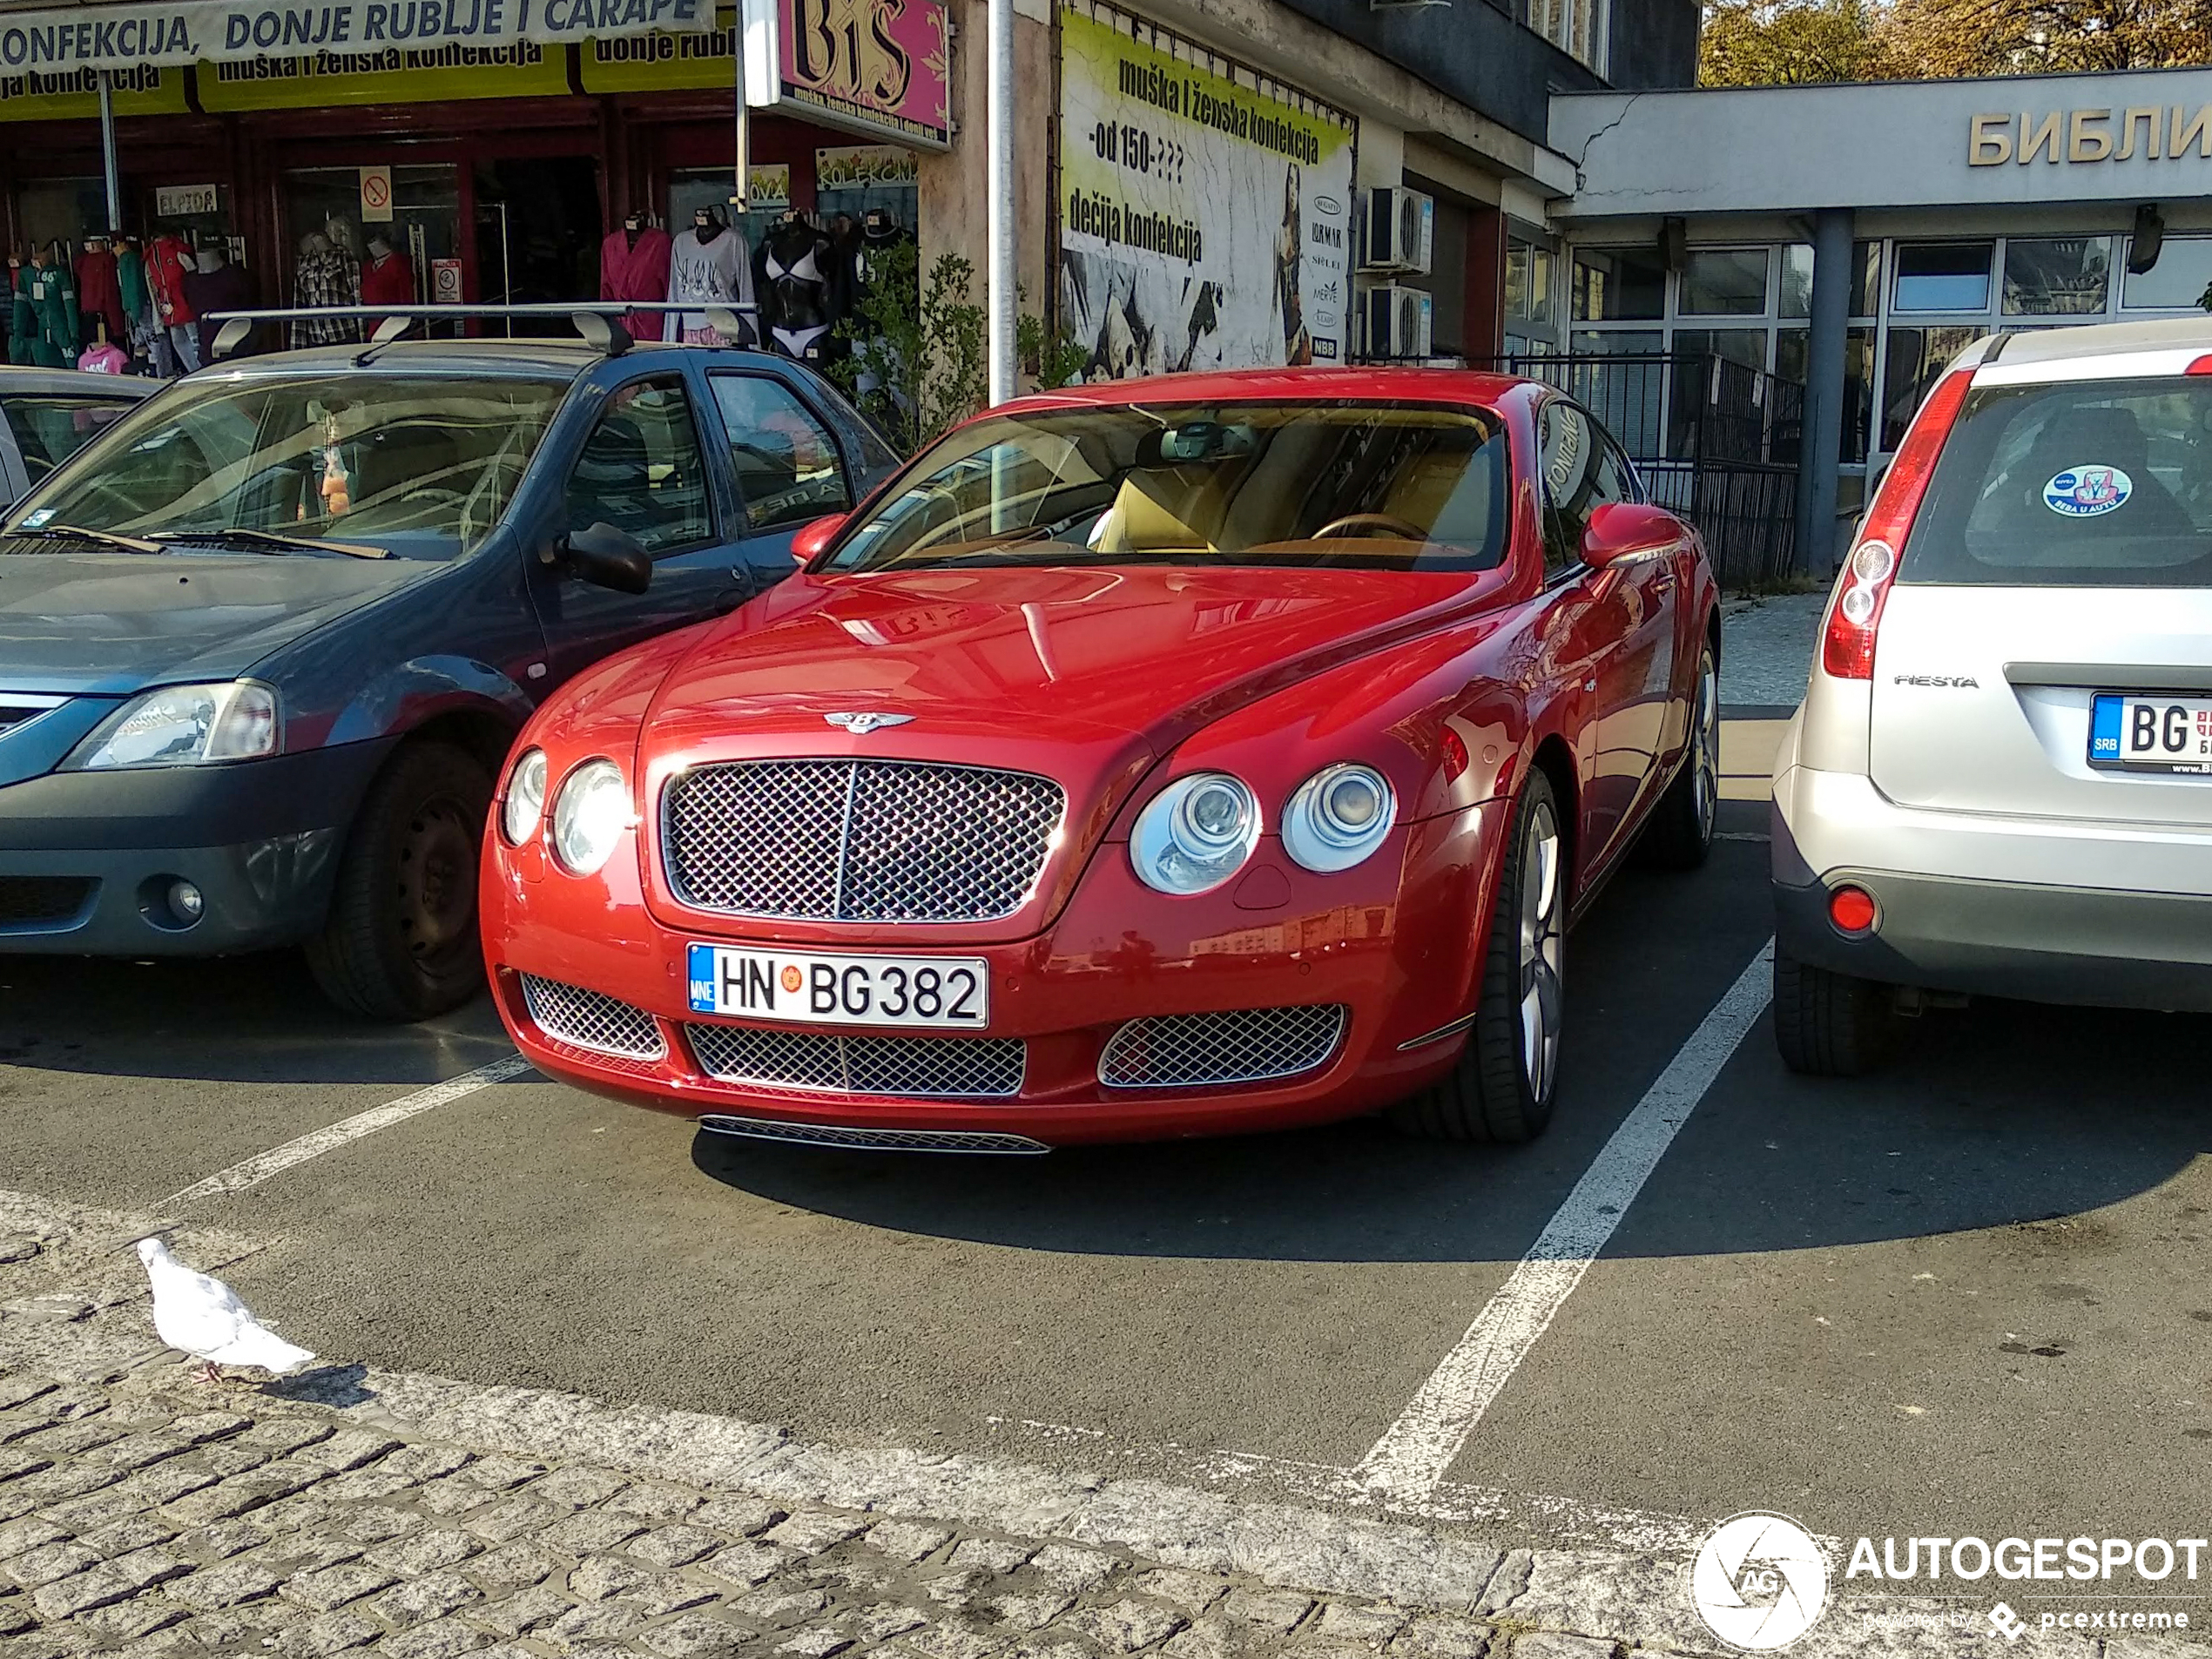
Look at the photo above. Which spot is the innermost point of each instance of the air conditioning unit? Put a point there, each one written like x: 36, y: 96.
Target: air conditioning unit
x: 1397, y: 231
x: 1398, y: 322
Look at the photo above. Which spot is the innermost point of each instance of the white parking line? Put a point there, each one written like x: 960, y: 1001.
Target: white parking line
x: 260, y: 1168
x: 1409, y: 1462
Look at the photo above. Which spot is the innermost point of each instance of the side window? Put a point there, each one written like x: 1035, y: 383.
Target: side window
x: 48, y: 430
x: 1582, y: 468
x: 641, y: 471
x: 787, y: 464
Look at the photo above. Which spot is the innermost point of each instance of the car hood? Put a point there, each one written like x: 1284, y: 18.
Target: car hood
x: 1075, y: 656
x: 113, y: 624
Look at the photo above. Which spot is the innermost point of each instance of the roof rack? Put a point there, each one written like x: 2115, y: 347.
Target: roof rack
x: 596, y: 321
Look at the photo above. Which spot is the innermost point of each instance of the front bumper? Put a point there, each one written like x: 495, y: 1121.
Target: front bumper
x: 87, y: 859
x: 1392, y: 942
x: 1966, y: 904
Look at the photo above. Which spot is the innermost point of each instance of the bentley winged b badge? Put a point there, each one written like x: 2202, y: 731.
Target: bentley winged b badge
x: 861, y: 723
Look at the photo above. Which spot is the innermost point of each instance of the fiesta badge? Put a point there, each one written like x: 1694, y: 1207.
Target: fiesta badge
x: 2088, y: 492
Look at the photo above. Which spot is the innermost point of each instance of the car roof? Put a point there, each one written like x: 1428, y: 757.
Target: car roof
x: 2107, y: 340
x: 15, y: 379
x: 1381, y: 383
x: 562, y: 359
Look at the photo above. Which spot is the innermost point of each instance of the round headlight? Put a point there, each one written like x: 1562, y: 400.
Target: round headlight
x: 525, y: 798
x: 590, y: 815
x: 1196, y: 834
x: 1338, y: 817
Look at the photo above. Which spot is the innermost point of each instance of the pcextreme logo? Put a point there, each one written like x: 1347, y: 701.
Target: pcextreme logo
x: 1759, y: 1582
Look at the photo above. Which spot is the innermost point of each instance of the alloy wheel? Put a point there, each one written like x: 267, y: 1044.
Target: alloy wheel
x: 1705, y: 748
x: 1543, y: 938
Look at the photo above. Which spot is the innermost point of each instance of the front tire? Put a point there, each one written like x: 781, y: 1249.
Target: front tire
x: 1679, y: 833
x: 1828, y: 1024
x: 400, y: 942
x: 1507, y: 1077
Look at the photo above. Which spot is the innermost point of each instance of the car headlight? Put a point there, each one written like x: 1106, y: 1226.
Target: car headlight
x: 1196, y: 834
x: 590, y: 815
x: 525, y: 798
x: 1338, y: 817
x: 183, y: 725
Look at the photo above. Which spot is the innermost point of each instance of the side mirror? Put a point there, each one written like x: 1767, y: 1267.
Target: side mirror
x: 1620, y: 529
x: 815, y: 534
x: 608, y: 557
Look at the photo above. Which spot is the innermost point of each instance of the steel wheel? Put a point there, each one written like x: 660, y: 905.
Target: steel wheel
x: 437, y: 879
x: 1543, y: 942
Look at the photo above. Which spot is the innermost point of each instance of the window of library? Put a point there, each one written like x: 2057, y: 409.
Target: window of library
x: 2179, y: 280
x: 1792, y: 361
x: 1942, y: 276
x: 1725, y: 282
x: 1797, y: 279
x: 1576, y: 27
x: 1619, y: 285
x: 2057, y: 276
x: 1914, y: 359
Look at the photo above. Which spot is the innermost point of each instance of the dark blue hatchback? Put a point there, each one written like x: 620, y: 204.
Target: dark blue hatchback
x: 263, y: 645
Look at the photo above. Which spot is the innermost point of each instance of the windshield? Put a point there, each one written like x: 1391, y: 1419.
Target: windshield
x: 2080, y: 484
x: 417, y: 467
x: 1292, y: 484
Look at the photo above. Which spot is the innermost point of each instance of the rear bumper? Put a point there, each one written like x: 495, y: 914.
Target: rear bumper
x: 1964, y: 915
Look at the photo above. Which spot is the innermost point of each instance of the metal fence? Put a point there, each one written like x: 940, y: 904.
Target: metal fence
x: 1714, y: 441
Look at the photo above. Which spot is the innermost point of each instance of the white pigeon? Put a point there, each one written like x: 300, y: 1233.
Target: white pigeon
x: 203, y: 1317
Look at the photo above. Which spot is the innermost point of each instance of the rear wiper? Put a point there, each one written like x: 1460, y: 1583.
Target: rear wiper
x: 128, y: 543
x: 273, y: 540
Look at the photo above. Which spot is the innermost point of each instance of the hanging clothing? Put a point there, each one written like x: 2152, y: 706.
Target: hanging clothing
x: 103, y: 360
x: 19, y: 314
x: 54, y: 329
x: 223, y: 288
x: 635, y: 270
x: 325, y: 279
x: 99, y: 293
x: 388, y: 282
x: 714, y: 272
x: 800, y: 288
x: 171, y: 263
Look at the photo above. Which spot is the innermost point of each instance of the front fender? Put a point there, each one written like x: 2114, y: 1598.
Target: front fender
x: 405, y: 695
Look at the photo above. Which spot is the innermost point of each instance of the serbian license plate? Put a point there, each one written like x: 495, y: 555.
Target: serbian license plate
x: 944, y: 993
x: 2151, y: 733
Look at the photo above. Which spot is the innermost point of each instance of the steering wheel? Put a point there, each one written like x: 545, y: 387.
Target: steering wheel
x: 1365, y: 526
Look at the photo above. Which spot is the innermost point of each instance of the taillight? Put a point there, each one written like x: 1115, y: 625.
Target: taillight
x: 1847, y: 650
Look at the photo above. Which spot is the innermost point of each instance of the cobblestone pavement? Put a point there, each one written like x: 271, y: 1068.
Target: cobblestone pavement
x: 145, y: 1514
x: 1766, y: 649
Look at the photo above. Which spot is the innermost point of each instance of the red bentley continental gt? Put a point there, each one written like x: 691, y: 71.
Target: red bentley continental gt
x: 1201, y: 754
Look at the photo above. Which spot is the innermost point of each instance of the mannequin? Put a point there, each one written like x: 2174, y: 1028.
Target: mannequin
x: 171, y: 263
x: 99, y: 293
x: 215, y: 285
x: 55, y: 328
x: 706, y: 266
x: 323, y: 278
x: 634, y: 264
x: 103, y: 356
x: 388, y: 277
x: 799, y: 293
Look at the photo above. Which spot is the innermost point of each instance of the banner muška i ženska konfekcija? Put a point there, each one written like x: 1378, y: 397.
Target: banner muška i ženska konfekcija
x: 80, y: 38
x: 1205, y: 220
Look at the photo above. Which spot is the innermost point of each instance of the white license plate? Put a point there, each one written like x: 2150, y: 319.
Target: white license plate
x: 944, y: 993
x: 2161, y: 733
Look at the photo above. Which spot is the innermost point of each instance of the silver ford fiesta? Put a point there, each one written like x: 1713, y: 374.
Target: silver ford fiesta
x: 2000, y: 781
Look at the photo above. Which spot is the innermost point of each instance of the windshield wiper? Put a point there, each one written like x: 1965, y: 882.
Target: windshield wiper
x: 275, y: 541
x: 128, y: 543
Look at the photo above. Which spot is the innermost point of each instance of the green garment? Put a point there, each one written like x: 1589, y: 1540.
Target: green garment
x: 21, y: 324
x: 56, y: 332
x: 130, y: 277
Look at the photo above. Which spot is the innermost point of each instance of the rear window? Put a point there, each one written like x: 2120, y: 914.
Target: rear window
x: 2091, y: 484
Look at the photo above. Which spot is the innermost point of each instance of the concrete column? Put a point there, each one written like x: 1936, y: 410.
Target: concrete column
x: 1824, y: 417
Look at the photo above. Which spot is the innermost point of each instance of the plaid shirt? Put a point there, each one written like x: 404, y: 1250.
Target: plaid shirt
x: 327, y: 279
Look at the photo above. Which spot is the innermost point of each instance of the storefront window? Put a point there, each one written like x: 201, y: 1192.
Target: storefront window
x: 1797, y: 279
x: 1528, y: 284
x: 423, y: 230
x: 1792, y: 361
x: 1943, y: 276
x: 1618, y: 285
x: 2054, y: 277
x: 2181, y: 279
x: 1725, y: 282
x: 1915, y: 357
x: 1745, y: 346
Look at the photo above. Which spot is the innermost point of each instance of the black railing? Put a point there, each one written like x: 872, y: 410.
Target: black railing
x: 1714, y: 441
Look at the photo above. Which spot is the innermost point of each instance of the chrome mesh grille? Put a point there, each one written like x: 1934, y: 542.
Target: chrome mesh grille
x: 592, y: 1020
x: 858, y: 840
x: 823, y: 1062
x: 1246, y: 1046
